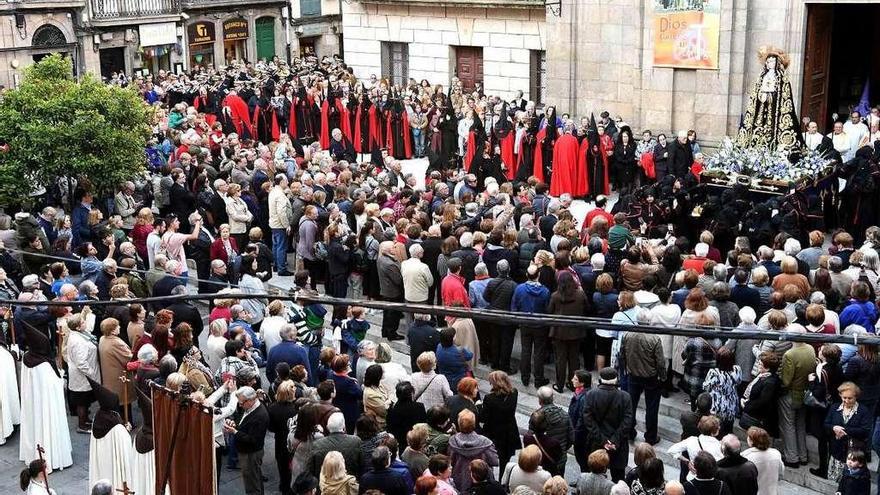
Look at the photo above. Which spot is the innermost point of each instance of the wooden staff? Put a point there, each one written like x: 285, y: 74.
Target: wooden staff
x: 40, y: 452
x: 11, y: 324
x: 124, y: 379
x: 125, y: 490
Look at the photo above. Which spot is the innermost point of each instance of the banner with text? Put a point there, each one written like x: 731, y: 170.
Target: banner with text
x: 686, y: 33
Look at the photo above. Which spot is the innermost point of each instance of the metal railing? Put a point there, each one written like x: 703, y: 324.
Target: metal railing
x: 117, y: 9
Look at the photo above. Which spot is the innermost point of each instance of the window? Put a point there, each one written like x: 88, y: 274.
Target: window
x: 538, y: 76
x: 309, y: 7
x: 395, y: 62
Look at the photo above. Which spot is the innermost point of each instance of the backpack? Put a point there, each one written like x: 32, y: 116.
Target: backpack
x: 321, y: 251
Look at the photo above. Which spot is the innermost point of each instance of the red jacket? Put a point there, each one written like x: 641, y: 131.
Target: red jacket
x: 452, y: 291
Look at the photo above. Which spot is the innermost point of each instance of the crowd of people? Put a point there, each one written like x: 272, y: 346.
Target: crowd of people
x: 253, y: 166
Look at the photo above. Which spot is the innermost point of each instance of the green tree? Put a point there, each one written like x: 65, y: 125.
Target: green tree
x: 56, y: 127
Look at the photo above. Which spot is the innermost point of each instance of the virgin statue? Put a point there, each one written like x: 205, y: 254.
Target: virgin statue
x: 769, y: 120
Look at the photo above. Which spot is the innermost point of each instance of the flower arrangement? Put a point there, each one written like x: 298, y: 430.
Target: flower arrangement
x: 763, y: 163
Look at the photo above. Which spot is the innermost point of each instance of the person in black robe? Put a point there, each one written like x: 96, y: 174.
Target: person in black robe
x: 302, y: 113
x: 265, y: 118
x: 334, y: 117
x: 480, y: 156
x: 448, y: 127
x: 361, y: 126
x: 526, y: 156
x: 549, y: 142
x: 398, y: 140
x: 624, y: 161
x: 857, y: 204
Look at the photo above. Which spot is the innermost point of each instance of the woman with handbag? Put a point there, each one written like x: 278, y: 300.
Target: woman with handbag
x: 849, y: 425
x: 759, y: 399
x: 821, y: 394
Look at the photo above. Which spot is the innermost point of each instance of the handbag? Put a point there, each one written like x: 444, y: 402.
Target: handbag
x: 468, y: 372
x: 817, y: 389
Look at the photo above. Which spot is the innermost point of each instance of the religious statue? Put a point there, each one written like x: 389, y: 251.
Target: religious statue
x: 769, y: 120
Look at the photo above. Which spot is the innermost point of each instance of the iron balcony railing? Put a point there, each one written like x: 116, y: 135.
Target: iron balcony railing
x: 116, y: 9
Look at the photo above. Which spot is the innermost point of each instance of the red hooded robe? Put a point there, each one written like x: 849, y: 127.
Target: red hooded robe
x: 507, y: 156
x: 566, y: 166
x: 376, y: 131
x: 276, y: 132
x: 404, y: 125
x: 241, y: 118
x: 344, y: 125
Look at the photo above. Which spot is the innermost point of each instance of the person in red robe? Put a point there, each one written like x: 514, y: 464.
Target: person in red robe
x: 568, y: 176
x: 377, y: 127
x: 503, y: 136
x: 362, y: 141
x: 397, y: 131
x: 239, y: 114
x: 333, y: 116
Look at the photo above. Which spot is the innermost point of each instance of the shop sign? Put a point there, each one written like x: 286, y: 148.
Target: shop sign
x: 201, y: 33
x: 163, y: 33
x: 235, y: 29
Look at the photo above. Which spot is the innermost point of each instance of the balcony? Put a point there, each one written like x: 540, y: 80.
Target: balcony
x: 112, y: 10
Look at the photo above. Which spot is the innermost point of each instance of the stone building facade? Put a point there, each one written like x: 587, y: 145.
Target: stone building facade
x: 35, y: 29
x: 600, y: 57
x: 498, y: 44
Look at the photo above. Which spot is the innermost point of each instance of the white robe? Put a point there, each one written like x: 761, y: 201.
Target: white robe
x: 10, y: 403
x: 44, y: 418
x: 143, y: 471
x: 37, y: 488
x: 110, y: 458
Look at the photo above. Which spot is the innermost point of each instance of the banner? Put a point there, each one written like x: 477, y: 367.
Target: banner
x: 686, y: 33
x: 183, y: 439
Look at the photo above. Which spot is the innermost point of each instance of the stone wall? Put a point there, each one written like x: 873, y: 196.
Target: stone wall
x: 506, y: 35
x: 16, y: 43
x: 600, y: 57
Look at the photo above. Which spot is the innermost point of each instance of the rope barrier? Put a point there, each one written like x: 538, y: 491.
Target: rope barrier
x: 496, y: 316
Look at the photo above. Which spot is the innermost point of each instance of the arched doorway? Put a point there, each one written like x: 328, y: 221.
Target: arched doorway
x: 265, y: 28
x: 48, y: 39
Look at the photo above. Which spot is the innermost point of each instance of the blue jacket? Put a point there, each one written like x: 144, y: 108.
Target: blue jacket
x: 476, y: 288
x: 388, y: 481
x: 576, y: 415
x: 530, y: 297
x: 401, y: 468
x: 79, y: 224
x: 605, y: 304
x: 287, y: 352
x: 452, y: 362
x: 859, y: 313
x: 348, y: 399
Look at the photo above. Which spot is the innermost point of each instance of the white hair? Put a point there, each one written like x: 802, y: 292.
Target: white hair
x: 466, y: 240
x: 701, y: 249
x: 792, y: 246
x: 245, y: 393
x: 597, y: 261
x: 416, y: 251
x: 336, y: 423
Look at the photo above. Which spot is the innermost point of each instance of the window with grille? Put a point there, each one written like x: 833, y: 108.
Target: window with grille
x: 395, y: 62
x: 538, y: 76
x: 309, y: 7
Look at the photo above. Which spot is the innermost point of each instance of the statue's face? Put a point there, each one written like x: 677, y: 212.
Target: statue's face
x: 771, y: 63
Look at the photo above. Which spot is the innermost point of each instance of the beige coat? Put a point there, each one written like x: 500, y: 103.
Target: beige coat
x: 239, y: 215
x: 114, y: 355
x: 466, y: 336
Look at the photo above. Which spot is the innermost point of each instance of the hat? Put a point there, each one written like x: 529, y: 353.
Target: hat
x: 107, y: 416
x: 304, y: 483
x: 608, y: 376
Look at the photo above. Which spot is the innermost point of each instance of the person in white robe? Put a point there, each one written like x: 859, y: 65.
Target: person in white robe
x: 110, y: 446
x: 856, y: 131
x: 841, y: 142
x: 10, y: 402
x: 43, y: 411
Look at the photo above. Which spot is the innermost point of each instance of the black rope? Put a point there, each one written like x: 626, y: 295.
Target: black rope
x: 509, y: 317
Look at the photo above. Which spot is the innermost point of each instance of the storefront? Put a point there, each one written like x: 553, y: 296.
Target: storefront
x: 157, y: 42
x: 235, y: 36
x: 201, y: 36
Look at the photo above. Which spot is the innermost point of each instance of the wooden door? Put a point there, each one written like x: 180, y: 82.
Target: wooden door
x: 469, y: 66
x: 265, y: 33
x: 817, y: 64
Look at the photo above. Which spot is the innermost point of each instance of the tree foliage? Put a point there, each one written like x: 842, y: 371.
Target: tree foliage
x: 56, y: 126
